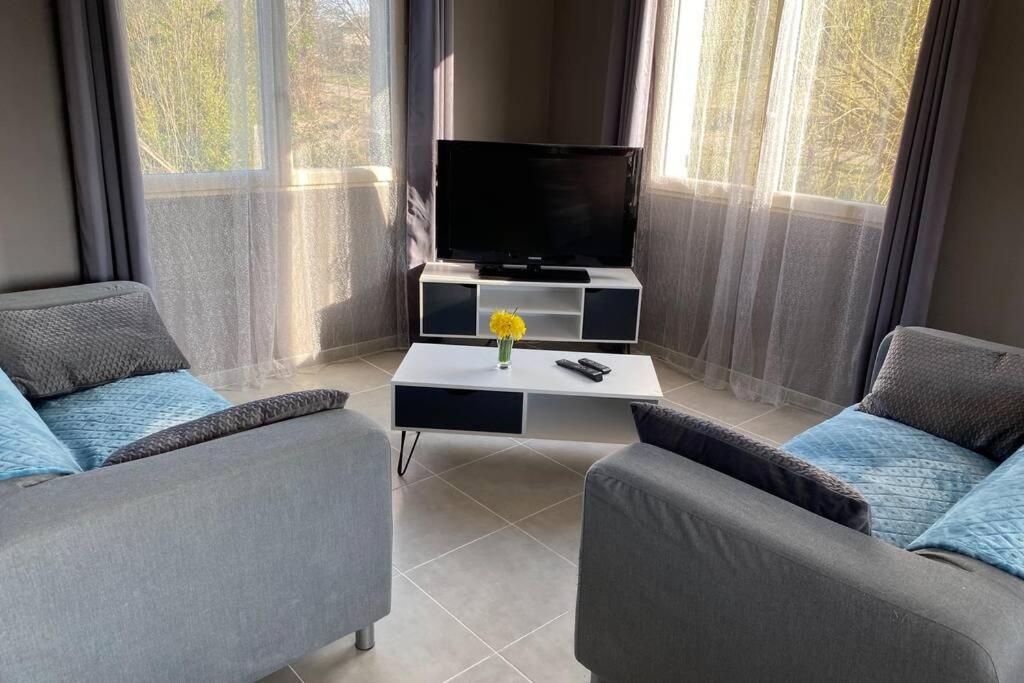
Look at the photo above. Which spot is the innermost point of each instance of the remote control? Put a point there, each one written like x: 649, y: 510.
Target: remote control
x: 589, y: 373
x: 587, y: 363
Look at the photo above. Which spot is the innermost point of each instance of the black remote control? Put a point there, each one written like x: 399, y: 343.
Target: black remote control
x: 587, y: 363
x: 589, y: 373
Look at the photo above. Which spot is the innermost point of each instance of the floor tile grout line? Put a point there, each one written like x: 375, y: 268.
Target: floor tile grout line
x: 510, y: 523
x: 363, y: 391
x: 542, y: 543
x: 389, y: 374
x: 467, y: 543
x: 434, y: 474
x: 555, y: 461
x: 287, y: 379
x: 471, y: 462
x: 494, y: 652
x: 681, y: 386
x: 527, y: 635
x: 296, y: 673
x: 545, y: 509
x: 474, y: 664
x: 449, y: 613
x: 499, y: 656
x: 700, y: 413
x: 514, y: 667
x: 767, y: 412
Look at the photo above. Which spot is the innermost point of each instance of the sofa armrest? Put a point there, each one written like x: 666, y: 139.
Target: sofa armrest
x: 222, y: 561
x: 687, y: 573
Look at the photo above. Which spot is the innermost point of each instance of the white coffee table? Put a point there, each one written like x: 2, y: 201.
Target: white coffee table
x: 458, y: 390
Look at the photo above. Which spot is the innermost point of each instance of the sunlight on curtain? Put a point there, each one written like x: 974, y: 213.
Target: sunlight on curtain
x: 268, y: 150
x: 775, y: 129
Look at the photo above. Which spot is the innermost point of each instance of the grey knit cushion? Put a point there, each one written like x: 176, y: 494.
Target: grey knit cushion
x: 56, y: 350
x: 231, y: 421
x: 970, y: 395
x: 765, y: 467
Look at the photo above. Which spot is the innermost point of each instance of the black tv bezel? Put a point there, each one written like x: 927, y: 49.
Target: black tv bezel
x: 442, y: 239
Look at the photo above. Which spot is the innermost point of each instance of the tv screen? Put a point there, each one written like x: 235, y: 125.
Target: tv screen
x: 536, y: 204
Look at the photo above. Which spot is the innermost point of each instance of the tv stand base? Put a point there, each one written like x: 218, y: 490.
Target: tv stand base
x: 533, y: 274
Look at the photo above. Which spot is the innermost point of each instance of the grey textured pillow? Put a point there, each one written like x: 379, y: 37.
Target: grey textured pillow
x: 59, y: 349
x: 231, y: 421
x: 765, y: 467
x: 970, y: 395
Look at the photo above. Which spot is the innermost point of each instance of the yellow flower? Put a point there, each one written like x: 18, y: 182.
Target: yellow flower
x: 505, y: 324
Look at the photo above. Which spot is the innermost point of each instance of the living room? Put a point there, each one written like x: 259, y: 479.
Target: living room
x: 505, y: 340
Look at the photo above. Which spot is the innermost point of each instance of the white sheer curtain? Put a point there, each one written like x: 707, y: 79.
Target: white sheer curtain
x: 773, y: 135
x: 268, y: 146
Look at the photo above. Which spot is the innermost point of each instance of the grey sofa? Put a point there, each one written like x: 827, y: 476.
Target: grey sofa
x: 218, y: 562
x: 687, y: 574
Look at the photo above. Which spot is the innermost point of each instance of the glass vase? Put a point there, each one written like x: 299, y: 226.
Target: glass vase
x: 505, y: 353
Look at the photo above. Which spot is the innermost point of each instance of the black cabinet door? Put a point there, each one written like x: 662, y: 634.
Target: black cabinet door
x: 449, y: 309
x: 467, y: 410
x: 610, y: 314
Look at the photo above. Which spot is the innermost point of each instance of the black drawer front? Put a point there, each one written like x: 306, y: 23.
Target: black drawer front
x: 610, y: 314
x: 449, y: 309
x: 460, y: 409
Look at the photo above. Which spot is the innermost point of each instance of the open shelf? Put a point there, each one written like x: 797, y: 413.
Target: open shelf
x: 548, y: 301
x: 542, y: 326
x: 555, y: 416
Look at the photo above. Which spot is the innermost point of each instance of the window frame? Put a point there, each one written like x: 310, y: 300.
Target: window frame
x: 278, y: 171
x: 719, y: 191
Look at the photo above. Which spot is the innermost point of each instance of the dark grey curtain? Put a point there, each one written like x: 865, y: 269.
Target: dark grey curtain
x: 923, y: 176
x: 104, y: 149
x: 630, y: 71
x: 429, y: 108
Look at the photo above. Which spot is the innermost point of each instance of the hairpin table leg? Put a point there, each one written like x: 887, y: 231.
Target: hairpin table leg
x: 401, y: 453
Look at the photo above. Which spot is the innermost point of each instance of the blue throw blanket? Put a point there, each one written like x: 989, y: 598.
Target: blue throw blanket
x: 909, y: 477
x: 988, y: 523
x: 27, y: 446
x: 95, y: 422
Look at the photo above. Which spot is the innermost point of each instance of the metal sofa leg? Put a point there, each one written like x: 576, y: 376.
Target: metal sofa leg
x: 364, y: 638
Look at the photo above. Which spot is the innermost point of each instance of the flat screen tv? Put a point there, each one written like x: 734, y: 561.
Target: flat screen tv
x: 536, y: 205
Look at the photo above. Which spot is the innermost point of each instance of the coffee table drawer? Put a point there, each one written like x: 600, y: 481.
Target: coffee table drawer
x: 466, y: 410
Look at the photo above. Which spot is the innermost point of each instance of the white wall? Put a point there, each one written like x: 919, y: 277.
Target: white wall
x: 502, y: 69
x: 38, y: 243
x: 532, y: 70
x: 979, y: 287
x: 582, y: 42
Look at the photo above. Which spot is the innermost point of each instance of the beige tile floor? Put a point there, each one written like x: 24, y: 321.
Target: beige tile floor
x: 486, y: 540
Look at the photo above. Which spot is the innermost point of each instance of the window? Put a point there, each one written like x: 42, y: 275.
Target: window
x: 235, y: 90
x: 807, y: 95
x: 191, y: 102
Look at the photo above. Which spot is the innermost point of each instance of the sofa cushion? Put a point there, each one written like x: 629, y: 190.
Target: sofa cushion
x: 988, y: 523
x: 910, y: 477
x: 96, y: 422
x: 969, y: 394
x: 753, y: 462
x: 27, y: 446
x: 55, y: 350
x: 232, y: 420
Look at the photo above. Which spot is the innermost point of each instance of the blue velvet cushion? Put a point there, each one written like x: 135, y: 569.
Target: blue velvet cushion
x: 27, y: 446
x: 96, y: 422
x: 909, y: 477
x: 988, y: 523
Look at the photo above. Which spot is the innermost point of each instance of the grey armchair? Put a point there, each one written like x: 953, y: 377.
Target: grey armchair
x: 218, y: 562
x: 688, y: 574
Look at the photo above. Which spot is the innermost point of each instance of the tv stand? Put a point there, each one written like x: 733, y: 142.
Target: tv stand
x: 532, y: 273
x: 457, y: 301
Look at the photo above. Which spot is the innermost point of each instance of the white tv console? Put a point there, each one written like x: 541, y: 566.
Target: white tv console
x: 456, y: 302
